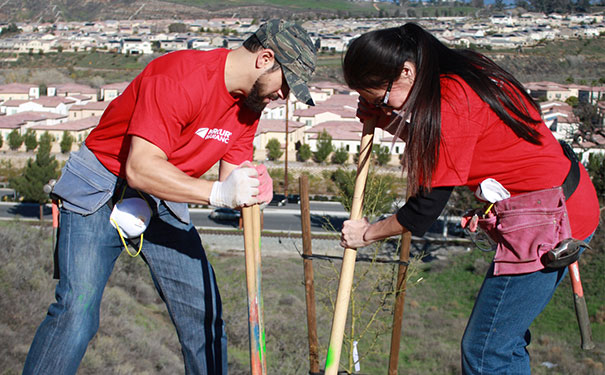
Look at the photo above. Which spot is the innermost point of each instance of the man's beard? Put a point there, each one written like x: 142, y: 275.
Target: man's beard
x: 254, y: 100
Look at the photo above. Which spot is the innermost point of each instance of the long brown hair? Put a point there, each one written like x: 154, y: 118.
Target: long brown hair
x: 377, y: 57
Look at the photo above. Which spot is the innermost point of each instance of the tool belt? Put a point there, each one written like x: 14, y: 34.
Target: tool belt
x: 532, y: 230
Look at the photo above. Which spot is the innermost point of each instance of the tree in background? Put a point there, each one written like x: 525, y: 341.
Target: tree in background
x: 274, y: 151
x: 1, y: 140
x: 382, y: 154
x: 66, y: 142
x: 15, y: 140
x: 324, y: 147
x: 156, y: 46
x: 304, y: 152
x: 589, y: 123
x: 380, y: 193
x: 340, y: 156
x: 30, y: 140
x: 177, y: 28
x: 572, y: 101
x: 37, y: 173
x: 10, y: 29
x: 47, y: 140
x: 596, y: 169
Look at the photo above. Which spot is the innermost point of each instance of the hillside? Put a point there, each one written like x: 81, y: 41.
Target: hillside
x: 580, y: 60
x: 88, y: 10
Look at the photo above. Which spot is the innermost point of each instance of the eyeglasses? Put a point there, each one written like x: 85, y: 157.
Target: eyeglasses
x: 385, y: 99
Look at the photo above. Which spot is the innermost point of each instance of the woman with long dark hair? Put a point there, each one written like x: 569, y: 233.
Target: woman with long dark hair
x: 466, y: 121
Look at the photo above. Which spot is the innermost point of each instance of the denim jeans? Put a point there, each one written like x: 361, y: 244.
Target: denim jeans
x: 497, y: 332
x: 88, y: 249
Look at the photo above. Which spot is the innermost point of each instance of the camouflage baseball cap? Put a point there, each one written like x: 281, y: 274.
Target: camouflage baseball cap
x: 294, y: 50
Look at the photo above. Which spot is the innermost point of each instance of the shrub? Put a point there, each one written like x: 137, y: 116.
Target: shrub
x: 274, y: 151
x: 596, y: 169
x: 382, y: 154
x: 66, y: 142
x: 324, y: 147
x: 340, y: 156
x: 30, y: 140
x: 15, y: 140
x: 304, y: 152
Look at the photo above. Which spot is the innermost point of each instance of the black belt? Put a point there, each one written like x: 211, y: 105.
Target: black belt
x: 573, y: 176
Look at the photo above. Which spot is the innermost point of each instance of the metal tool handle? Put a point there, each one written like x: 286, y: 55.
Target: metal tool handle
x: 580, y: 306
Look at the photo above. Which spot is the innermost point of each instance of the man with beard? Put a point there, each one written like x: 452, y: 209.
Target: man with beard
x: 140, y: 167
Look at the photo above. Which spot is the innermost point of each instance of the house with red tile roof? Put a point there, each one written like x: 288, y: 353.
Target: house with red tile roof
x: 560, y: 119
x: 593, y: 143
x: 19, y: 91
x: 321, y: 113
x: 10, y: 107
x: 347, y: 135
x: 25, y: 120
x: 113, y: 90
x: 52, y: 104
x: 79, y: 129
x: 70, y: 89
x: 276, y: 129
x: 276, y: 109
x: 90, y: 109
x: 562, y: 92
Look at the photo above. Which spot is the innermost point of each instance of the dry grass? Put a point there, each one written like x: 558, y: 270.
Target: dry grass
x: 137, y: 337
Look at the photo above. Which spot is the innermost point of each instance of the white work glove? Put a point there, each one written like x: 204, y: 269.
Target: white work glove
x: 239, y: 189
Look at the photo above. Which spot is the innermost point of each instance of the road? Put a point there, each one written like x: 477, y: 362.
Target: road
x: 325, y: 217
x: 285, y: 218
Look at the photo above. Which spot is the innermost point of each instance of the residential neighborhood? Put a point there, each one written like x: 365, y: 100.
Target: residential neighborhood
x: 149, y: 36
x: 76, y: 108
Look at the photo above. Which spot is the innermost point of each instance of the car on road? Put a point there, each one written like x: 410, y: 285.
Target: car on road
x: 278, y: 200
x: 294, y: 198
x: 225, y: 214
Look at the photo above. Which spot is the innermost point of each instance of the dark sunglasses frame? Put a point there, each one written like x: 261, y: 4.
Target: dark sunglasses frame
x: 385, y: 99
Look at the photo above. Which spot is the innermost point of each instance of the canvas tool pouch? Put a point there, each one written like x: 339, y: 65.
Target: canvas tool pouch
x: 525, y: 227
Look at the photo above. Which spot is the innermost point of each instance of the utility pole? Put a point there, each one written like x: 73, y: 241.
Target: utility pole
x: 286, y: 157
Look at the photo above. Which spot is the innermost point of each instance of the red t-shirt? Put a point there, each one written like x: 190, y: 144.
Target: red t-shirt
x: 179, y: 103
x: 476, y: 144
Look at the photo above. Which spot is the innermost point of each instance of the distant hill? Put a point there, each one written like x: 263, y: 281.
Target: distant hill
x: 90, y: 10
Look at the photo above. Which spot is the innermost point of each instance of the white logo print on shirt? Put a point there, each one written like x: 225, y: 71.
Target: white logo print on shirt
x: 220, y: 135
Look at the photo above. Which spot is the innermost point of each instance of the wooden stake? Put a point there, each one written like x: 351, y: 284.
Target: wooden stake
x: 404, y: 256
x: 348, y: 259
x: 305, y: 221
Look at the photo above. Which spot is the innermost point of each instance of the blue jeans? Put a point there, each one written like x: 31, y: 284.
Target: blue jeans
x: 497, y: 332
x: 88, y: 249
